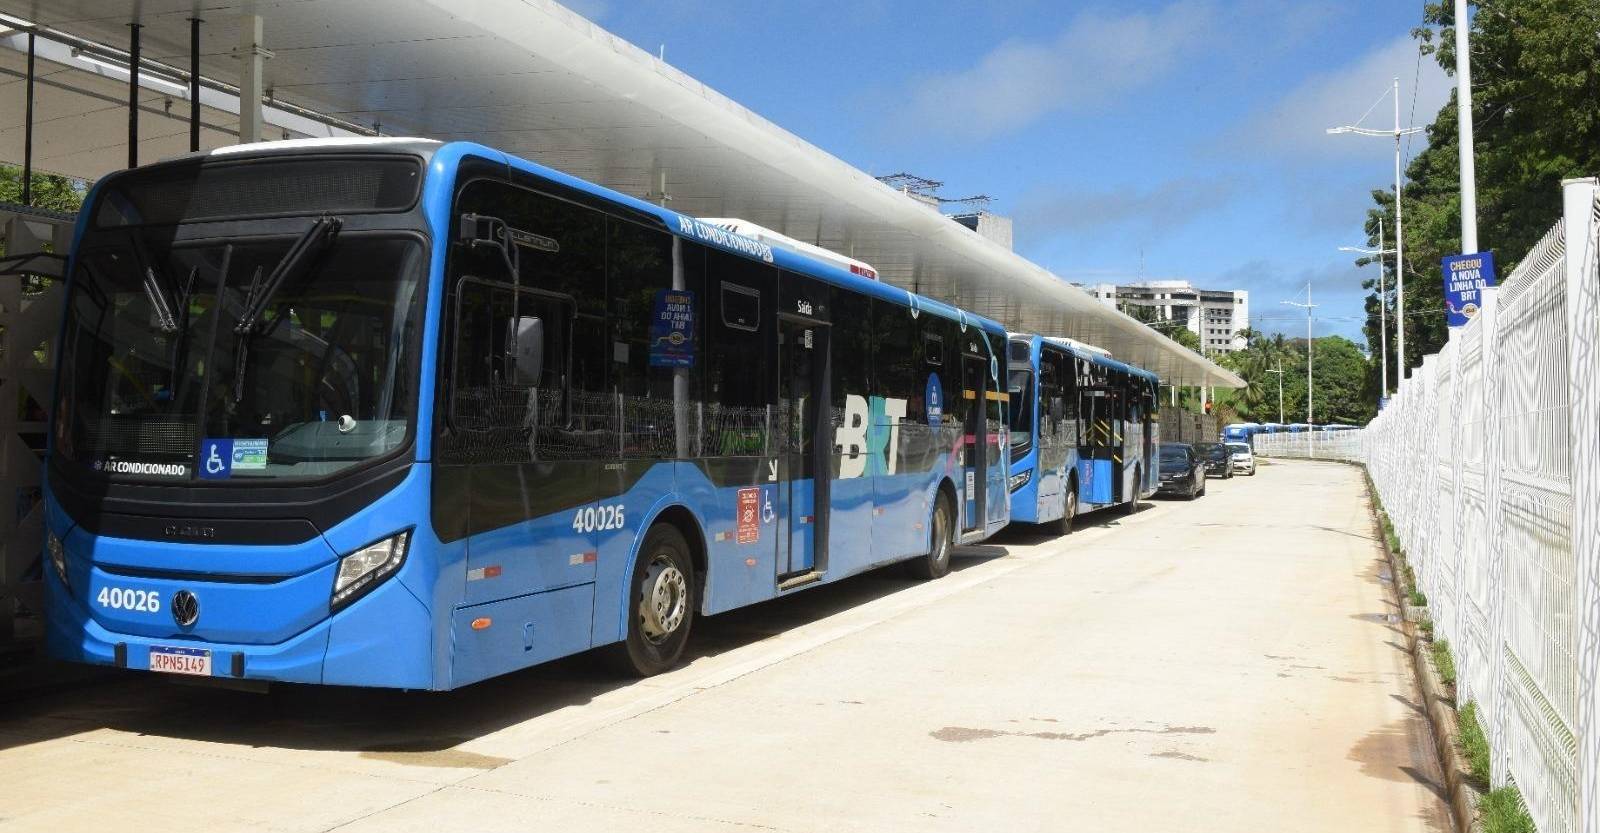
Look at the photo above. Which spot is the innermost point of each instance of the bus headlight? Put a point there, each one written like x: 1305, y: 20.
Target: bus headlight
x: 367, y: 567
x: 1020, y: 480
x: 58, y: 557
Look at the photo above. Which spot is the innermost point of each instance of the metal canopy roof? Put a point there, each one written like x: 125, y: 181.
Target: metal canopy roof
x: 537, y: 80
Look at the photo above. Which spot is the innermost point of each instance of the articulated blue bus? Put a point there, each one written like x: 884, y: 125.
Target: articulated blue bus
x: 1083, y: 431
x: 408, y: 414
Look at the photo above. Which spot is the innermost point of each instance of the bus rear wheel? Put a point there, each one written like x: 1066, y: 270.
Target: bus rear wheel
x: 941, y: 538
x: 661, y: 605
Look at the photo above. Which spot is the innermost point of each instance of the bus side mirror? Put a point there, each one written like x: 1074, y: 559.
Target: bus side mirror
x: 477, y: 231
x: 525, y: 349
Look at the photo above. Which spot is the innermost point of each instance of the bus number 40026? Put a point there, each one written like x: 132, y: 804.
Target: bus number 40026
x: 116, y: 598
x: 598, y: 518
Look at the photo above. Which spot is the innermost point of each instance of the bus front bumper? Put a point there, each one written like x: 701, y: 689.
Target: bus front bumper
x: 380, y: 640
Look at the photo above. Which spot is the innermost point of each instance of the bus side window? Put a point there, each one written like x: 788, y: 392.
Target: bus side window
x: 741, y: 338
x: 494, y: 415
x: 639, y: 281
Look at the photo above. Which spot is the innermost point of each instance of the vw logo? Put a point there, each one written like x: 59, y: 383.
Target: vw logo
x: 185, y: 608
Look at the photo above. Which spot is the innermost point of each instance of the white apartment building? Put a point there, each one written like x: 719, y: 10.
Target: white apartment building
x: 1215, y: 315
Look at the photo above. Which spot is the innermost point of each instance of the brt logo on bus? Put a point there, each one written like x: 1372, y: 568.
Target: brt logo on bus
x: 870, y: 427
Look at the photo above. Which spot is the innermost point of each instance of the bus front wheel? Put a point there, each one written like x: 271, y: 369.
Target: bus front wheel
x: 661, y: 605
x: 1069, y: 512
x: 941, y: 537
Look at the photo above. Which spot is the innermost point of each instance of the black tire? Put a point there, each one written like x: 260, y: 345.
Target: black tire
x: 941, y: 539
x: 1203, y: 485
x: 1069, y: 512
x: 1194, y: 492
x: 661, y: 605
x: 1132, y: 505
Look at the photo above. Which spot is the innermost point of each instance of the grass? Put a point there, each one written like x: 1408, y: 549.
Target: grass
x: 1501, y: 811
x: 1416, y: 598
x: 1426, y: 626
x: 1474, y: 745
x: 1443, y: 660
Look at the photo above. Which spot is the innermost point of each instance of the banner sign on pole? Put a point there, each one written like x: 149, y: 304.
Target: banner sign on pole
x: 672, y: 329
x: 1465, y: 276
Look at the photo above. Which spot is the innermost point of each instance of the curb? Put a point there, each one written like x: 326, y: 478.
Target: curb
x: 1441, y: 710
x: 1438, y: 700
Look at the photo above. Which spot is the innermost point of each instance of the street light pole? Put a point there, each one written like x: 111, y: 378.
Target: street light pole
x: 1399, y: 244
x: 1469, y: 185
x: 1279, y: 371
x: 1383, y: 309
x: 1383, y: 320
x: 1308, y: 307
x: 1399, y: 223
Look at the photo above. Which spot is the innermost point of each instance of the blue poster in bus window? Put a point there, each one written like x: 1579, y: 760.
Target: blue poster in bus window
x: 672, y: 329
x: 216, y: 459
x: 933, y: 396
x: 1465, y: 278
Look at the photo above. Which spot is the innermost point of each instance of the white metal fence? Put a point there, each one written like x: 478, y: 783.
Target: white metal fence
x: 1488, y: 462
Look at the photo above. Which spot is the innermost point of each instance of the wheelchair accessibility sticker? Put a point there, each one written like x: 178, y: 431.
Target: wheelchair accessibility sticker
x: 216, y: 459
x: 219, y: 458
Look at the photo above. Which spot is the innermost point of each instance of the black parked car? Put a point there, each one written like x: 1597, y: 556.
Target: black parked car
x: 1182, y: 471
x: 1217, y: 457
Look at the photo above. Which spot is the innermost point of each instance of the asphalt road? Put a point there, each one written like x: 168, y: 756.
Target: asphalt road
x: 1230, y: 663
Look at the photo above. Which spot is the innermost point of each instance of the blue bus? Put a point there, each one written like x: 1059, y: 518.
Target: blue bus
x: 1083, y: 432
x: 408, y: 414
x: 1240, y: 432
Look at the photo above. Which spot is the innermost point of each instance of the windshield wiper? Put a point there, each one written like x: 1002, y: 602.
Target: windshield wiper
x: 305, y: 249
x: 160, y: 304
x: 311, y: 243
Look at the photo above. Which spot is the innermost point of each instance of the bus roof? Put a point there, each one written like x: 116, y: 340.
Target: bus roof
x: 1086, y: 351
x: 439, y: 154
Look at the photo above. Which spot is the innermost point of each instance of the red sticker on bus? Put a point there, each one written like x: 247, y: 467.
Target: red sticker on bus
x: 749, y: 515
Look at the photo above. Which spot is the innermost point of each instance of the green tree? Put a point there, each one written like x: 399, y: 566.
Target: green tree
x: 1536, y: 121
x: 52, y: 192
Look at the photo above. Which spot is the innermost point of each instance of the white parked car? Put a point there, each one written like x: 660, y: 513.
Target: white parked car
x: 1244, y: 460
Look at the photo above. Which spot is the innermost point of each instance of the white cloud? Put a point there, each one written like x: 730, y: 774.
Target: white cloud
x: 1297, y: 124
x: 1098, y: 58
x: 1047, y: 213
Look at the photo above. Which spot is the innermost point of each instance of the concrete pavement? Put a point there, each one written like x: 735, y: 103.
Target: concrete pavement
x: 1226, y: 664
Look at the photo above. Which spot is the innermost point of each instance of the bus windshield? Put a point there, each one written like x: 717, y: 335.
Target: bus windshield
x: 1020, y: 386
x: 160, y: 381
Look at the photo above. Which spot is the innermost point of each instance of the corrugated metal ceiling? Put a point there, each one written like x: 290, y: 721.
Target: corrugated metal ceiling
x: 537, y: 80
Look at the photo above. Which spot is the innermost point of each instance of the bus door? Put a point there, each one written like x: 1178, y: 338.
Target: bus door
x: 974, y: 431
x: 803, y: 444
x: 1117, y: 403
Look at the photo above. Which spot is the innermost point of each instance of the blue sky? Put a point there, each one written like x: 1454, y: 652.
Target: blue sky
x: 1186, y: 133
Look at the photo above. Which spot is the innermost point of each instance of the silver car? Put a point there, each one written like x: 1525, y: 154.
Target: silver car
x: 1243, y: 459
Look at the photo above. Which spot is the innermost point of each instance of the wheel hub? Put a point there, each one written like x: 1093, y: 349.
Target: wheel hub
x: 664, y: 599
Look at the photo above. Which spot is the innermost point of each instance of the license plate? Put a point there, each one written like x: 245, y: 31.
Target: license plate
x: 196, y: 661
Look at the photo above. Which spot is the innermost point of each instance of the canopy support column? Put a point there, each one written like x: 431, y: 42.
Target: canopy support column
x: 251, y: 58
x: 27, y: 134
x: 133, y: 95
x: 194, y: 84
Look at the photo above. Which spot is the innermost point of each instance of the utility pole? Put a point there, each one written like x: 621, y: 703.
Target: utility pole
x: 1383, y: 308
x: 1308, y: 307
x: 1399, y: 244
x: 1469, y: 174
x: 1279, y: 371
x: 1399, y: 223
